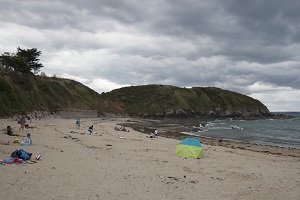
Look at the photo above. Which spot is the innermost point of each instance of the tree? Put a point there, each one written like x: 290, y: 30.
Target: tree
x: 25, y: 61
x: 28, y: 58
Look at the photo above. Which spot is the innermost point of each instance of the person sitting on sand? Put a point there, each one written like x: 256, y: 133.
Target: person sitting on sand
x: 27, y: 126
x: 27, y: 140
x: 123, y: 129
x: 10, y: 132
x: 152, y: 135
x: 91, y: 129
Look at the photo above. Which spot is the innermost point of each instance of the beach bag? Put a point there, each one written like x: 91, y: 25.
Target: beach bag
x: 22, y: 154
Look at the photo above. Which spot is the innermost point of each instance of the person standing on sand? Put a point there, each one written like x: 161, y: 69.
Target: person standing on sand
x: 78, y: 123
x: 22, y: 122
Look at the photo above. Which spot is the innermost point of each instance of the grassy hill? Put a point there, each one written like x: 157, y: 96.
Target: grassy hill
x: 25, y: 92
x: 163, y: 100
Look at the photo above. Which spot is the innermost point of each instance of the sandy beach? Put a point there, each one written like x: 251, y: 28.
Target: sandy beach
x: 112, y: 164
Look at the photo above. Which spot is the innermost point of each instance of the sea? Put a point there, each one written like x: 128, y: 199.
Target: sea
x: 283, y: 132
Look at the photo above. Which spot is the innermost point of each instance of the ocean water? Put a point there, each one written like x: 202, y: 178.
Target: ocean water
x: 274, y: 132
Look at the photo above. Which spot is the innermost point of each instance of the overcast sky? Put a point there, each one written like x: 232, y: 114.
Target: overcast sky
x: 251, y: 47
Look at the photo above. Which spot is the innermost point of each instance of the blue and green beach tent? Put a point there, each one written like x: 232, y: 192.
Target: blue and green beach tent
x: 190, y: 147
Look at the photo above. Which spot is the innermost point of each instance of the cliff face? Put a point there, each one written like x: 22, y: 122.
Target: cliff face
x: 162, y: 100
x: 25, y: 93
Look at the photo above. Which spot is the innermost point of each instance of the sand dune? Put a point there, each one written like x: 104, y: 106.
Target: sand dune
x: 127, y: 165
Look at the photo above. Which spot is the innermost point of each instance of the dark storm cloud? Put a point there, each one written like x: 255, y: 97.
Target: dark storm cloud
x: 241, y: 28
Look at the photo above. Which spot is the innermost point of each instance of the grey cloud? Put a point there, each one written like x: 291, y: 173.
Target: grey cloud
x: 275, y: 21
x: 230, y: 44
x: 247, y: 25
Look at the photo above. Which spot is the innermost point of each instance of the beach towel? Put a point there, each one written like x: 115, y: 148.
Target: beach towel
x: 11, y: 160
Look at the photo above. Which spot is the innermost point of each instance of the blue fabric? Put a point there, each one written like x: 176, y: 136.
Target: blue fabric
x: 24, y: 155
x: 191, y: 142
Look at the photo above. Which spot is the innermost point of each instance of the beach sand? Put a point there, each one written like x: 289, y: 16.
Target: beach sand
x: 127, y: 165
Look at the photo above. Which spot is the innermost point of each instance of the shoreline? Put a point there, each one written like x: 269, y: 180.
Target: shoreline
x: 171, y: 128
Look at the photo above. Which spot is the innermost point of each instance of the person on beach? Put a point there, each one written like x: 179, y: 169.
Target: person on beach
x: 28, y: 126
x: 22, y: 122
x: 28, y: 118
x: 91, y: 128
x: 27, y: 140
x: 10, y: 132
x: 78, y: 123
x: 154, y: 134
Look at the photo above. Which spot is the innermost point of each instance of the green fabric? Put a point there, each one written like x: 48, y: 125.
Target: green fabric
x: 189, y: 151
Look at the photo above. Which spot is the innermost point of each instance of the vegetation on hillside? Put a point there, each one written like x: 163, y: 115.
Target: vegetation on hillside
x: 162, y: 100
x: 26, y: 92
